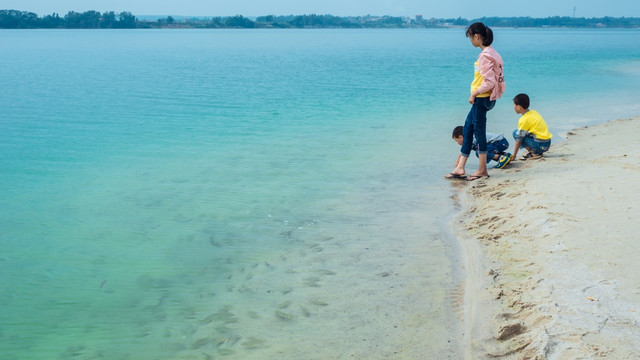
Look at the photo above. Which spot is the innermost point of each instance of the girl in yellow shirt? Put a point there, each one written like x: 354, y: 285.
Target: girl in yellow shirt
x: 487, y: 86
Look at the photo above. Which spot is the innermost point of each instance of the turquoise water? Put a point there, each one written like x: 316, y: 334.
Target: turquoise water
x: 256, y: 194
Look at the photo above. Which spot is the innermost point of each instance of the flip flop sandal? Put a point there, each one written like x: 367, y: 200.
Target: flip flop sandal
x: 532, y: 156
x: 474, y: 177
x: 455, y: 176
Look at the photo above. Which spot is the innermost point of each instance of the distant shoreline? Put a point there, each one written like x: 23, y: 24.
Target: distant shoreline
x: 16, y: 19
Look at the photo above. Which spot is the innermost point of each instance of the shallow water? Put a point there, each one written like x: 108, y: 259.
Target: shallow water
x: 255, y: 193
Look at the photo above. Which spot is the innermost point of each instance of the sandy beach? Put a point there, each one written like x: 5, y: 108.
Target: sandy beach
x: 553, y: 251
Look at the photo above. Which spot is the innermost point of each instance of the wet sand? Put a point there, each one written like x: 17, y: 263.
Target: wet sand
x: 553, y: 251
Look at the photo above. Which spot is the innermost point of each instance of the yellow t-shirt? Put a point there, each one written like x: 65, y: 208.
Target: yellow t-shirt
x: 533, y: 123
x: 477, y: 81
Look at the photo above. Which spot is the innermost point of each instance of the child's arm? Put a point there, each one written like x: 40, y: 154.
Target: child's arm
x: 457, y: 161
x: 516, y: 147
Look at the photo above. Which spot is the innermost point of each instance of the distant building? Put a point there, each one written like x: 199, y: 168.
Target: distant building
x: 419, y: 19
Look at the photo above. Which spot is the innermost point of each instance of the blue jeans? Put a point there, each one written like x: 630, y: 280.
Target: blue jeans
x: 537, y: 147
x: 476, y: 125
x: 497, y: 147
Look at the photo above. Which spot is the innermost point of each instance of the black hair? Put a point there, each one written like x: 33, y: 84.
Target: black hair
x: 522, y: 100
x: 482, y: 30
x: 457, y: 132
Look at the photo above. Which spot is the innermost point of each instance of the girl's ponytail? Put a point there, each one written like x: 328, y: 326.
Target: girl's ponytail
x: 488, y: 38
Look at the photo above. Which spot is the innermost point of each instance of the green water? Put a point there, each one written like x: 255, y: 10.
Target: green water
x: 255, y: 194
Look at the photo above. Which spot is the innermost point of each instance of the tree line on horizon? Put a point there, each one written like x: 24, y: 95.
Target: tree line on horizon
x: 15, y: 19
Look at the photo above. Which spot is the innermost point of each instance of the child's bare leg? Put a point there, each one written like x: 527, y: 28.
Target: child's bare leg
x: 482, y: 166
x: 459, y: 170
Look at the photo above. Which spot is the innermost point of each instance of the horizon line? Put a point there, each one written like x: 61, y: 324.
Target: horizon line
x: 325, y: 14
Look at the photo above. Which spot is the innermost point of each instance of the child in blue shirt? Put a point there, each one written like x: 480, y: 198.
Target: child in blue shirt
x: 497, y: 144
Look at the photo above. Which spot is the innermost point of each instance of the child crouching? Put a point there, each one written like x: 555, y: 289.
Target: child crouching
x: 532, y: 132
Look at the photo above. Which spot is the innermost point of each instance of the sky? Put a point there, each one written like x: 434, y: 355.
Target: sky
x: 427, y: 8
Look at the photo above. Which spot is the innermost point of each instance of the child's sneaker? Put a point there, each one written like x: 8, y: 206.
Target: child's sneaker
x: 503, y: 161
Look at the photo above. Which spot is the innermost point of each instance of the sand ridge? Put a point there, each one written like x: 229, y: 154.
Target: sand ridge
x: 553, y: 251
